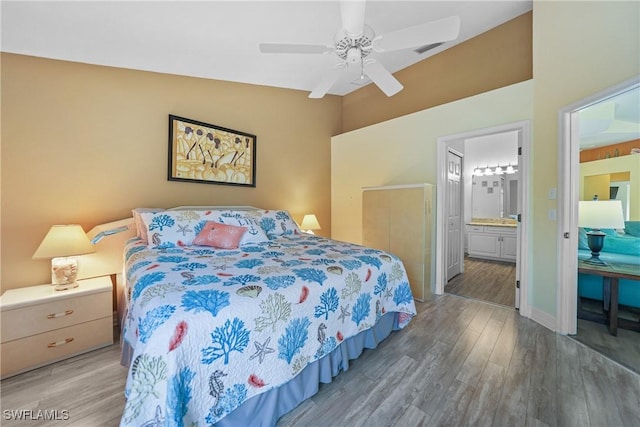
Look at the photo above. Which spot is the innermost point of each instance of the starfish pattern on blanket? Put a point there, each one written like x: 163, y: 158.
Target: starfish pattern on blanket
x: 261, y: 350
x: 344, y: 313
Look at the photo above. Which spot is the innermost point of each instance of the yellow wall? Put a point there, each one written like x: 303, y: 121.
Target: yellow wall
x: 607, y: 170
x: 579, y: 48
x: 403, y: 150
x: 85, y: 144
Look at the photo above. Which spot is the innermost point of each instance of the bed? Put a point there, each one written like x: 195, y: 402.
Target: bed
x: 224, y: 335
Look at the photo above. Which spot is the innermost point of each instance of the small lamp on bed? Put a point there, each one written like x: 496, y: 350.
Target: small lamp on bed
x: 599, y: 214
x: 309, y: 223
x: 61, y: 244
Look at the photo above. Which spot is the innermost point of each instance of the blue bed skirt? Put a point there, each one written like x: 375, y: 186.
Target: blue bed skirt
x: 265, y: 409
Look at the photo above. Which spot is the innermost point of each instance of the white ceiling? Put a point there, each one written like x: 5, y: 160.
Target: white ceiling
x: 219, y: 39
x: 611, y: 121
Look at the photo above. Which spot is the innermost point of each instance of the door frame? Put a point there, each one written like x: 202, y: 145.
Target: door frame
x: 524, y: 135
x: 568, y: 196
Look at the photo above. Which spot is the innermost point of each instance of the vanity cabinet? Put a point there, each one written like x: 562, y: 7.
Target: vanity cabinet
x: 492, y: 242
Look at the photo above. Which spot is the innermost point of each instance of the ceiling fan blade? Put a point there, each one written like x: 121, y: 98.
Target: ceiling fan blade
x: 441, y: 30
x: 293, y: 48
x: 352, y: 12
x: 325, y: 84
x: 382, y: 78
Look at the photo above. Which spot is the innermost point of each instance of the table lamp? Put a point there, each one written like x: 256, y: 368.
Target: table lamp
x: 310, y: 223
x: 599, y: 214
x: 61, y: 244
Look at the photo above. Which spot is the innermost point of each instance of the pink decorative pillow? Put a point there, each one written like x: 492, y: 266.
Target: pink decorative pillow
x: 221, y: 236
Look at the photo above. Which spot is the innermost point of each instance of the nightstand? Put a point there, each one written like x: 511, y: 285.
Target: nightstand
x: 41, y: 326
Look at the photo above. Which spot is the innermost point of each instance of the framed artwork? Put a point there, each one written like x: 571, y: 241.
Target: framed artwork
x: 209, y: 154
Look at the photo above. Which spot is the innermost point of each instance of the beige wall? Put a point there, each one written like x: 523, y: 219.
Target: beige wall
x: 403, y: 150
x: 497, y: 58
x: 85, y: 144
x: 579, y: 48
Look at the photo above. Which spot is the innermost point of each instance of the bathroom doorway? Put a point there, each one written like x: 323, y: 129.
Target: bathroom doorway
x: 497, y: 242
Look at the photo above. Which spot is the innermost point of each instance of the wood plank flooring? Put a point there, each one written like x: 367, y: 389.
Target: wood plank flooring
x: 492, y: 281
x: 459, y: 362
x: 485, y: 280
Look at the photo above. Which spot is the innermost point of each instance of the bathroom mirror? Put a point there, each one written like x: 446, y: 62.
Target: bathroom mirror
x: 494, y: 196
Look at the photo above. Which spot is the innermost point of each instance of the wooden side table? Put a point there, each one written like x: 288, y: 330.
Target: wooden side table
x: 611, y: 272
x: 40, y: 325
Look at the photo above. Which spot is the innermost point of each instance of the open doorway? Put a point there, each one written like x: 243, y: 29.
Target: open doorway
x: 491, y: 250
x: 597, y: 134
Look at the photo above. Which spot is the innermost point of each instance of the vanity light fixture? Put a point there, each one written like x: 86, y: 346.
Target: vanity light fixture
x: 494, y: 170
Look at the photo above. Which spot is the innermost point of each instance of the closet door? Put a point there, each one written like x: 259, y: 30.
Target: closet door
x: 406, y: 233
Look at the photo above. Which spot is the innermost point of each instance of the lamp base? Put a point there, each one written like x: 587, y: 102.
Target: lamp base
x: 64, y: 272
x: 65, y: 286
x: 595, y: 260
x: 595, y: 240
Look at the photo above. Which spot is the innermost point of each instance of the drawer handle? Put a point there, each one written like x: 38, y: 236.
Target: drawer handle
x: 55, y: 315
x: 59, y: 343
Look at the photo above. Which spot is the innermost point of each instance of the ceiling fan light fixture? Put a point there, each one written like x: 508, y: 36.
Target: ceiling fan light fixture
x: 356, y: 40
x: 347, y: 47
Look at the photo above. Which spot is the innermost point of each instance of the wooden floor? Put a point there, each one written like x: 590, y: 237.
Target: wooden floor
x: 485, y: 280
x: 459, y: 362
x: 623, y: 348
x: 492, y: 281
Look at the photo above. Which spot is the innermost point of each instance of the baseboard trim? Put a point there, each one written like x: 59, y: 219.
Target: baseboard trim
x: 545, y: 319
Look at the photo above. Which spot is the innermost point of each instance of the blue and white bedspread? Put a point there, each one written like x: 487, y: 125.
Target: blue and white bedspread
x: 211, y: 328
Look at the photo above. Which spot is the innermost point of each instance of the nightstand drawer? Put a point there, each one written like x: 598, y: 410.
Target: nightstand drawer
x: 37, y: 350
x: 36, y: 319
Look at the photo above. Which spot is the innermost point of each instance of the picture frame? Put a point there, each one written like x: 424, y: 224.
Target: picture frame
x: 209, y: 154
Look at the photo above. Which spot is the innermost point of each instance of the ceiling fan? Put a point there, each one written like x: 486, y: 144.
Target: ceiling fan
x: 355, y: 41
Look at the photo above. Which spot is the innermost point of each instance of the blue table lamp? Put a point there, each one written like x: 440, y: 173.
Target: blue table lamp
x: 596, y: 215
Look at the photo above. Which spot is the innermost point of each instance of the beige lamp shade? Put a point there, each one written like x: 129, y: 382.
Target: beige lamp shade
x: 61, y: 244
x: 63, y: 241
x: 310, y: 222
x: 600, y: 214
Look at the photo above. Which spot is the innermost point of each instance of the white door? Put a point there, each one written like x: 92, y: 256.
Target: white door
x: 454, y: 214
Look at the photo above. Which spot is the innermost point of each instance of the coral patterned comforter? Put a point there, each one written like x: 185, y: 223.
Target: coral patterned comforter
x: 211, y: 328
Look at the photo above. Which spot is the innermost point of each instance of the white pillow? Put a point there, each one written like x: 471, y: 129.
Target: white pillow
x: 275, y: 223
x: 141, y: 230
x: 175, y: 228
x: 254, y: 233
x: 180, y: 227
